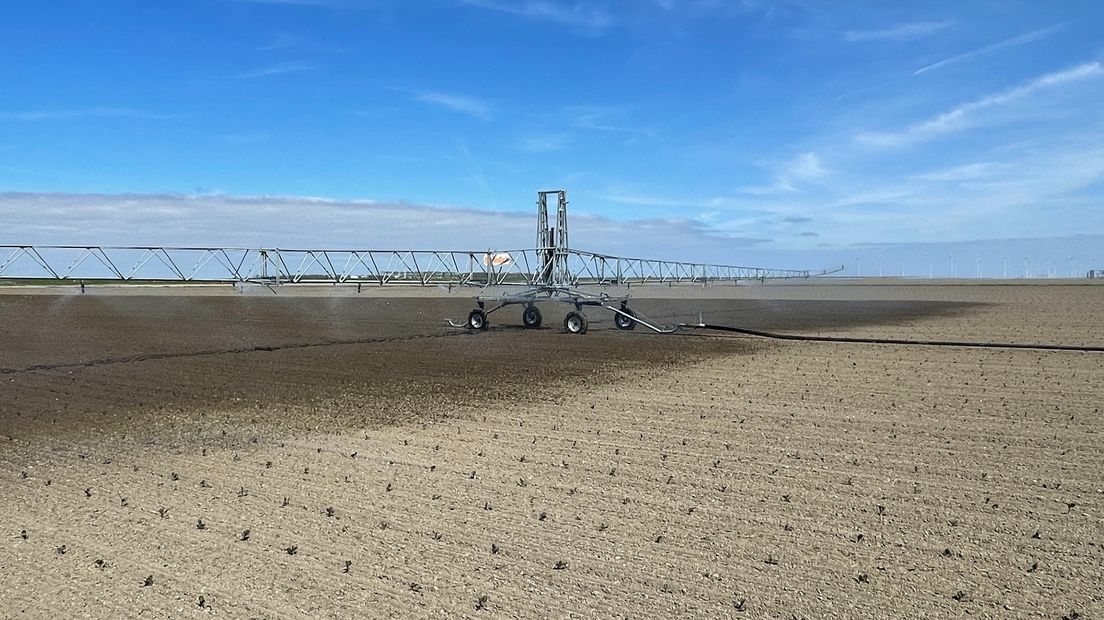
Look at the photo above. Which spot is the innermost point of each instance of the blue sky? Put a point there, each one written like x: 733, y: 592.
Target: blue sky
x: 793, y: 132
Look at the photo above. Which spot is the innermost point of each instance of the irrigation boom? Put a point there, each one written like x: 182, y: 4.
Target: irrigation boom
x: 552, y: 271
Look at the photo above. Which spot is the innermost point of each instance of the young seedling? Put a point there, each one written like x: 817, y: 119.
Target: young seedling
x: 200, y: 525
x: 560, y: 565
x: 163, y: 512
x: 348, y: 564
x: 495, y: 549
x: 330, y: 511
x: 481, y: 603
x: 202, y: 602
x: 740, y: 605
x: 245, y: 535
x: 292, y: 550
x: 148, y: 581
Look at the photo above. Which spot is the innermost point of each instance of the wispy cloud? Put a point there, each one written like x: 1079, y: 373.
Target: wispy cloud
x: 789, y: 175
x: 586, y: 16
x: 900, y: 32
x: 277, y: 69
x: 965, y: 172
x: 283, y: 42
x: 1023, y: 39
x: 543, y: 143
x: 83, y: 113
x: 964, y: 116
x: 309, y: 3
x: 602, y: 118
x: 805, y: 166
x: 463, y: 104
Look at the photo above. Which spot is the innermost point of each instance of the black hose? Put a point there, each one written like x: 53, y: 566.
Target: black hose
x: 902, y: 341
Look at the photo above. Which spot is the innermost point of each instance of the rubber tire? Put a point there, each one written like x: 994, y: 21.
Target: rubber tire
x: 531, y: 317
x: 477, y: 319
x: 624, y: 323
x: 575, y: 323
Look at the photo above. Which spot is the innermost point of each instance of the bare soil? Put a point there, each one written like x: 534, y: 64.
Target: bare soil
x: 334, y: 457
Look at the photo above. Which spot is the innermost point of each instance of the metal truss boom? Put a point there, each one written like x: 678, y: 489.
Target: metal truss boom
x: 280, y: 266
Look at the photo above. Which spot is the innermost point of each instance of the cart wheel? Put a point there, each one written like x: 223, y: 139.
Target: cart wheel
x: 477, y: 319
x: 531, y: 317
x: 625, y: 322
x: 575, y: 323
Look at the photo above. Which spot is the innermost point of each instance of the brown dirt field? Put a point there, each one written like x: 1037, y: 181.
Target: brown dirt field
x: 611, y: 475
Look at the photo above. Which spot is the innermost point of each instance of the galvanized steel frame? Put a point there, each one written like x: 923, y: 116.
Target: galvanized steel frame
x: 280, y: 266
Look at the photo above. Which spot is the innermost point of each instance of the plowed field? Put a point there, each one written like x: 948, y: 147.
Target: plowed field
x: 192, y: 456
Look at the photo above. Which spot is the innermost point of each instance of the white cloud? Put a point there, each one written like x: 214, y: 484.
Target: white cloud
x: 788, y: 176
x: 966, y: 172
x: 601, y: 118
x: 307, y: 3
x: 964, y: 116
x: 457, y: 103
x: 806, y: 166
x: 900, y: 32
x: 543, y: 143
x: 278, y: 69
x: 1023, y: 39
x: 299, y: 222
x: 583, y: 15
